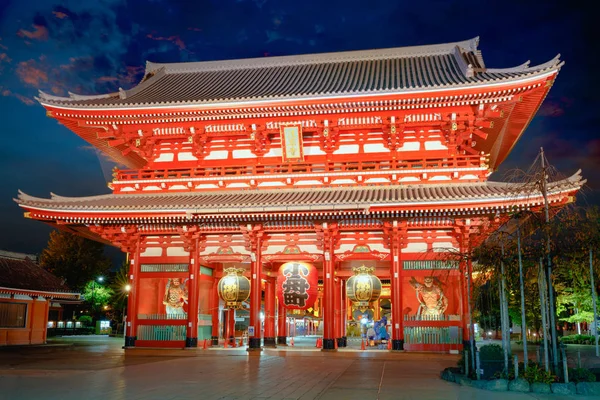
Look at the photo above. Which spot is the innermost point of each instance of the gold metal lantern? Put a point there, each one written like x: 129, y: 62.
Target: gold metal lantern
x: 233, y: 287
x: 363, y: 288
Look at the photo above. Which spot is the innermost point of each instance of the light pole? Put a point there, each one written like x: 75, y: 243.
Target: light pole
x: 100, y: 279
x: 127, y: 290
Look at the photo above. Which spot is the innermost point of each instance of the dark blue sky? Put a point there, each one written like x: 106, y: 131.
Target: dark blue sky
x: 92, y: 47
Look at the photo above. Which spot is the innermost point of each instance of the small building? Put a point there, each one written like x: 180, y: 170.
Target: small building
x: 27, y: 292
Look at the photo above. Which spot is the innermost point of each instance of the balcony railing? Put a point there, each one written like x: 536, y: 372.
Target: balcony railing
x: 249, y: 171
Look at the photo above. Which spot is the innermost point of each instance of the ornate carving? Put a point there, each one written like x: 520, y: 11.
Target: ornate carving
x: 329, y: 138
x: 433, y: 303
x: 124, y: 237
x: 261, y: 142
x: 176, y: 295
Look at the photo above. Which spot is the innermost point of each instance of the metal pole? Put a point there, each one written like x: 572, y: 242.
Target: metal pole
x: 505, y: 321
x: 523, y: 321
x: 93, y: 301
x: 549, y: 261
x: 594, y: 301
x: 471, y: 328
x: 542, y: 288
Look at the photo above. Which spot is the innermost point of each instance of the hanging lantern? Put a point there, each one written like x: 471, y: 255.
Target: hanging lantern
x: 363, y: 288
x: 233, y: 287
x: 297, y: 285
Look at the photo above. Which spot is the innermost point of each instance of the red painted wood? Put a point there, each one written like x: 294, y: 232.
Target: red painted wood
x: 167, y: 344
x: 214, y: 305
x: 270, y: 289
x: 329, y: 289
x: 194, y: 288
x: 281, y: 319
x: 256, y: 287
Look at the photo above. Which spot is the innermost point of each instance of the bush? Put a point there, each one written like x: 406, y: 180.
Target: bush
x: 535, y: 373
x: 491, y: 352
x: 581, y: 375
x: 578, y: 339
x: 85, y: 320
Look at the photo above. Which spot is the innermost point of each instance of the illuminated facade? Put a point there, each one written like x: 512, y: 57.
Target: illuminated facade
x: 377, y: 158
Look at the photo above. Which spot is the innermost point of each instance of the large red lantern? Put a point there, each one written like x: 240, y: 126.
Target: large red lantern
x: 297, y: 285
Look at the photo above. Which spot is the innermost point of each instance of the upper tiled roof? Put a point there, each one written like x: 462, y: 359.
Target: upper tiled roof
x: 25, y: 276
x: 314, y: 75
x: 290, y: 200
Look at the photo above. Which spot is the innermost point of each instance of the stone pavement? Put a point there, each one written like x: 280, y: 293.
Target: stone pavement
x: 96, y: 368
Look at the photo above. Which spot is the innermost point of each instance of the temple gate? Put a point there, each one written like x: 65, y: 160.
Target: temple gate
x: 377, y: 158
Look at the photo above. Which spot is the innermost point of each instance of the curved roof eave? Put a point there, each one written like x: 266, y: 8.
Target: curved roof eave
x: 64, y: 104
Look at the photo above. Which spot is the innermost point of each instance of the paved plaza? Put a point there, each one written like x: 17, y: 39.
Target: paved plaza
x: 97, y: 368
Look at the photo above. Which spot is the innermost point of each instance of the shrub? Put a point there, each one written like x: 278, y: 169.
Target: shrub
x: 491, y: 352
x: 535, y: 373
x: 581, y: 375
x: 85, y: 320
x: 578, y: 339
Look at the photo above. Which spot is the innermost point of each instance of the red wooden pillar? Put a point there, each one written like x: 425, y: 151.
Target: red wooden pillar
x: 396, y: 288
x: 281, y: 323
x: 254, y: 329
x: 269, y: 339
x: 337, y: 305
x: 133, y: 299
x: 343, y: 312
x: 191, y: 337
x: 230, y: 326
x: 329, y: 293
x: 215, y: 309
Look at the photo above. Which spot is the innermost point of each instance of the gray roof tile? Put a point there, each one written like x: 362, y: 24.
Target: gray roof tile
x: 297, y: 199
x: 313, y: 75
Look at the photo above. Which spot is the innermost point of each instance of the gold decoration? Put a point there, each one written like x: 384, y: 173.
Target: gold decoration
x: 363, y: 288
x: 234, y: 288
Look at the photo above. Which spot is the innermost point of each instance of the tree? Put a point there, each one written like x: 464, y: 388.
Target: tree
x: 97, y: 295
x: 75, y: 259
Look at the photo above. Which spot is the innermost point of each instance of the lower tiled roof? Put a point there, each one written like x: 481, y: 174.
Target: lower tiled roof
x: 23, y: 276
x: 289, y: 200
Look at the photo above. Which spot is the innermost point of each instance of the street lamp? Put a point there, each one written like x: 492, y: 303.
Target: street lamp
x: 100, y: 279
x: 127, y: 289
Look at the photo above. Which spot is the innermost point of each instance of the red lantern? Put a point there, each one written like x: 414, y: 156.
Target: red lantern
x: 297, y: 285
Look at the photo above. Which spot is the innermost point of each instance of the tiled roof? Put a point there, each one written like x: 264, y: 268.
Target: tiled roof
x: 290, y: 200
x: 314, y: 75
x: 23, y: 276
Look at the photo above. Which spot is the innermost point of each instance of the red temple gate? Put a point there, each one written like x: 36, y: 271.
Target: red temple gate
x: 376, y: 157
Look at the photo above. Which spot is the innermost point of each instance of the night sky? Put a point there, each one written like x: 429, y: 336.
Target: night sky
x: 94, y: 47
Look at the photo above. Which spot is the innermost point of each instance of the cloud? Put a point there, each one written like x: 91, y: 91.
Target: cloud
x: 40, y: 32
x: 5, y: 58
x: 175, y: 39
x: 31, y: 73
x: 554, y: 107
x: 59, y: 14
x: 23, y: 99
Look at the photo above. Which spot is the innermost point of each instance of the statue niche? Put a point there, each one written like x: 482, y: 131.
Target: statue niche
x: 433, y: 303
